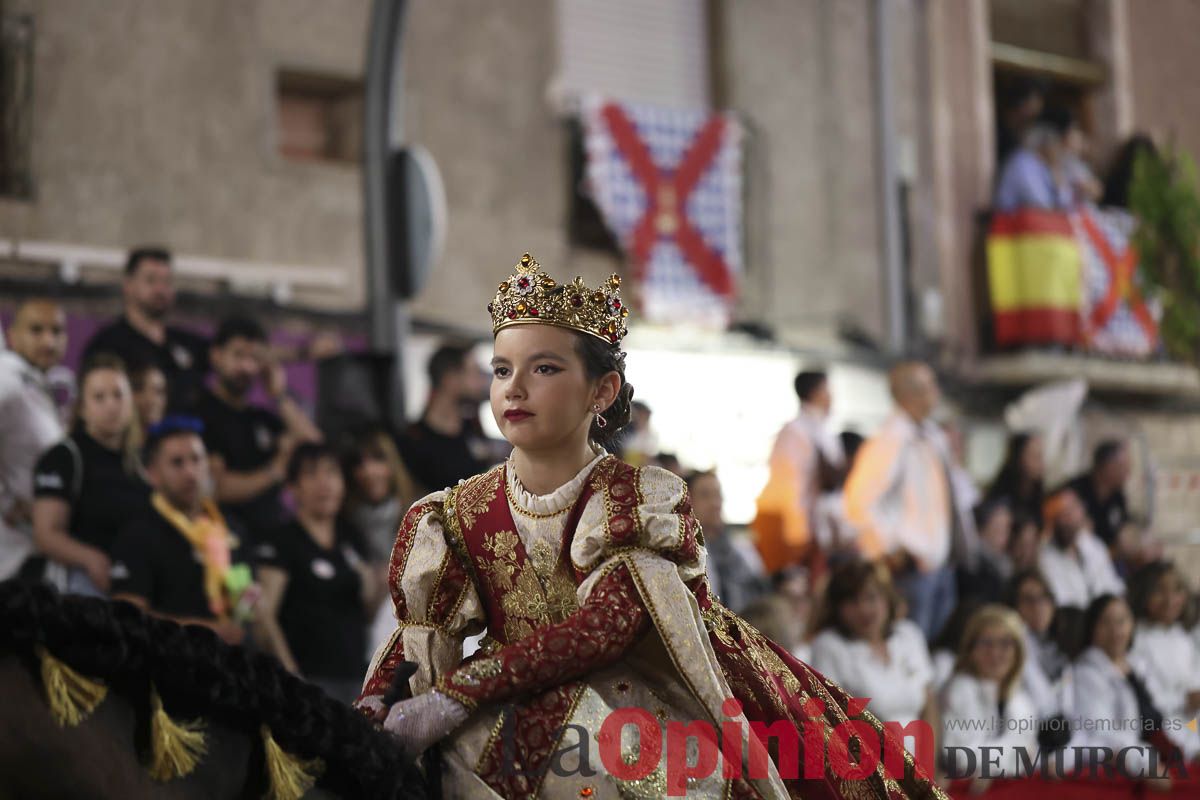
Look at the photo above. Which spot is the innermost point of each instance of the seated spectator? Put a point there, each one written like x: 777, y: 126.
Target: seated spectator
x: 1111, y: 696
x: 317, y: 590
x: 735, y: 571
x: 441, y: 448
x: 1034, y: 176
x: 379, y: 492
x: 773, y: 615
x: 864, y: 647
x: 89, y: 485
x: 986, y: 688
x: 178, y: 560
x: 149, y: 386
x: 29, y: 423
x: 670, y: 462
x: 1075, y: 562
x: 249, y: 445
x: 985, y: 581
x: 1045, y: 662
x: 142, y: 336
x: 1019, y: 483
x: 1163, y: 650
x: 1025, y: 543
x: 639, y: 442
x: 792, y: 584
x: 1102, y: 492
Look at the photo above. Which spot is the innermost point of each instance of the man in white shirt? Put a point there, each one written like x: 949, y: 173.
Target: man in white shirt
x: 29, y: 420
x: 1075, y: 562
x: 806, y: 465
x: 900, y: 497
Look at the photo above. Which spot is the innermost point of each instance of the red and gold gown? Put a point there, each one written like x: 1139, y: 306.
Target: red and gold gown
x: 594, y: 598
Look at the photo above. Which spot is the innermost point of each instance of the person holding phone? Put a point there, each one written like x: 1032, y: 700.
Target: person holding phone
x: 249, y: 445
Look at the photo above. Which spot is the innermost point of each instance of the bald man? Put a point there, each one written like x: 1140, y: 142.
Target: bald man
x: 29, y: 419
x: 900, y: 497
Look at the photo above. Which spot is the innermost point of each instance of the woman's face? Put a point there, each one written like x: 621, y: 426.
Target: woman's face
x: 994, y: 653
x: 374, y: 477
x: 1035, y: 604
x: 541, y: 395
x: 865, y: 614
x: 1167, y: 599
x: 319, y: 488
x: 1024, y: 548
x: 107, y: 407
x: 151, y: 399
x: 997, y: 529
x: 707, y: 502
x: 1114, y: 629
x: 1033, y: 459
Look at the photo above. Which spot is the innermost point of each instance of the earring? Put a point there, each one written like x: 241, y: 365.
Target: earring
x: 601, y: 422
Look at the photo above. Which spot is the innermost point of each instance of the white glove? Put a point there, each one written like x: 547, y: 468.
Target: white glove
x: 422, y: 720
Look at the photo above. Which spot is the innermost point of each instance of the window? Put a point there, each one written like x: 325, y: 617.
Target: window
x: 320, y: 117
x: 16, y: 100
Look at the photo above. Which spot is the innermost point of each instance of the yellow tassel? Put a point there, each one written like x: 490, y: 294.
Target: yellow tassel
x: 175, y: 747
x: 290, y: 776
x: 71, y: 696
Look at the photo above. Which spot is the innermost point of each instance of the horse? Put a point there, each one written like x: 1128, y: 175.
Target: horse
x: 102, y: 700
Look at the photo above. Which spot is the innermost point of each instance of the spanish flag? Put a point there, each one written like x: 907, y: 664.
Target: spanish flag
x: 1035, y: 276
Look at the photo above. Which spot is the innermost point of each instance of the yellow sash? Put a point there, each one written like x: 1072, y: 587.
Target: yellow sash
x: 211, y: 540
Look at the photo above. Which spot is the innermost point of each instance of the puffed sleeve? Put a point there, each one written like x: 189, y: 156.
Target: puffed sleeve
x: 644, y: 517
x: 436, y: 603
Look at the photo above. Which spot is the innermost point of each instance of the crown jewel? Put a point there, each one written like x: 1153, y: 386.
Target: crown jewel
x: 531, y: 296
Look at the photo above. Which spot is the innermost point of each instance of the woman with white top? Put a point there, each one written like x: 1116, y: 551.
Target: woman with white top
x: 862, y: 646
x: 986, y: 688
x: 1115, y: 709
x: 1163, y: 650
x: 1045, y: 663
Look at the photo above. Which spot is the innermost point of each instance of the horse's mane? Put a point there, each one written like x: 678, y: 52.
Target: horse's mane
x: 198, y: 675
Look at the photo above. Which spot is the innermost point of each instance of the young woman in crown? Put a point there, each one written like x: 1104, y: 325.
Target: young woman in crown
x: 588, y: 576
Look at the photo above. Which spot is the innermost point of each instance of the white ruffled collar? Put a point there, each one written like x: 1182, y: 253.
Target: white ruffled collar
x: 557, y: 501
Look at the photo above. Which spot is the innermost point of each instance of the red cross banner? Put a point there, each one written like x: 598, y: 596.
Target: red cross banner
x: 668, y: 183
x: 1117, y: 319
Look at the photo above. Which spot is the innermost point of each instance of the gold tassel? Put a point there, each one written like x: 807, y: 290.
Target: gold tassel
x: 71, y: 696
x: 175, y: 747
x: 290, y: 776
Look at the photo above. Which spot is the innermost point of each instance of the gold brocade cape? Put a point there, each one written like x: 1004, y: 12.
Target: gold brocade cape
x: 459, y: 566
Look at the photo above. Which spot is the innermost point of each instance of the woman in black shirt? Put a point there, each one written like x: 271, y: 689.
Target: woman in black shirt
x: 317, y: 591
x: 87, y: 486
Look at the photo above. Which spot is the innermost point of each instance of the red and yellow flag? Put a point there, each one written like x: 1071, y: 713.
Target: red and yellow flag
x: 1035, y: 276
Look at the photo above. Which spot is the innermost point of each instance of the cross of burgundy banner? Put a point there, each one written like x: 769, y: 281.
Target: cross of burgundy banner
x: 668, y: 183
x: 1117, y: 319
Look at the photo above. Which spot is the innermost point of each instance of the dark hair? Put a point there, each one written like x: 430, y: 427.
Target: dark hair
x: 985, y: 509
x: 139, y: 371
x: 198, y: 675
x: 807, y: 383
x: 698, y: 474
x: 446, y: 359
x: 1059, y: 118
x: 1142, y: 583
x: 847, y: 582
x: 307, y: 455
x: 171, y: 426
x: 1106, y: 451
x: 1024, y: 576
x: 1022, y: 89
x: 599, y: 359
x: 1091, y: 618
x: 147, y: 253
x: 1007, y: 483
x: 238, y: 326
x: 1120, y: 176
x: 851, y: 442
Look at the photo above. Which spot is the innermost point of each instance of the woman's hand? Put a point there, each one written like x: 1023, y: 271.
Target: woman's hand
x: 423, y: 720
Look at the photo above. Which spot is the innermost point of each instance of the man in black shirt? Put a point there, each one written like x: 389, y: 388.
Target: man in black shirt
x: 1102, y: 492
x: 443, y: 447
x: 173, y: 561
x: 249, y: 445
x: 141, y: 336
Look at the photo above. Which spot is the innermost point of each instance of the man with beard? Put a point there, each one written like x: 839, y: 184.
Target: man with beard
x: 29, y: 420
x: 141, y: 336
x: 175, y: 560
x: 1073, y: 559
x: 248, y: 445
x: 446, y: 444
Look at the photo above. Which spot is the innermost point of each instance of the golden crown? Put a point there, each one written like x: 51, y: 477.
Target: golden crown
x: 531, y: 296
